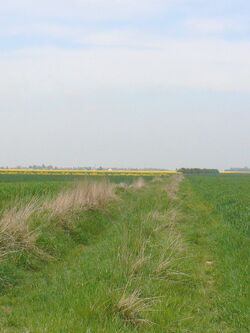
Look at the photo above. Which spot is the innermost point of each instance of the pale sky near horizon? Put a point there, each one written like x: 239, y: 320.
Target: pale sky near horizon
x: 146, y: 83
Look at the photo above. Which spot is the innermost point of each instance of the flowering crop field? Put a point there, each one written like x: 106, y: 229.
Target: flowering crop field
x: 99, y: 172
x: 92, y: 172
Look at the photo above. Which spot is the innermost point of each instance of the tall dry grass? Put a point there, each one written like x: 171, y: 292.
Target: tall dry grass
x: 132, y: 306
x: 138, y: 183
x: 15, y: 231
x: 140, y: 260
x: 122, y: 185
x: 84, y: 195
x: 165, y: 220
x: 173, y: 185
x: 157, y: 179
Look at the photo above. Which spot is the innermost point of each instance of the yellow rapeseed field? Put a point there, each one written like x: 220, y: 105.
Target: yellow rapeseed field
x: 76, y: 172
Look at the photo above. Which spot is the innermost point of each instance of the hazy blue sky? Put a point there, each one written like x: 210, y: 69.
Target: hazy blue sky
x: 145, y: 83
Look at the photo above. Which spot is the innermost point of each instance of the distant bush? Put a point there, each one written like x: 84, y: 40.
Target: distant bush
x: 192, y: 171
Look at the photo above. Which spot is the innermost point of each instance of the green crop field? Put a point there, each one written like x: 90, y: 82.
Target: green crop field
x: 124, y: 254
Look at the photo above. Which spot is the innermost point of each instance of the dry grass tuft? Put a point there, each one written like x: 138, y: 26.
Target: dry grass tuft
x: 164, y: 265
x: 132, y: 306
x: 172, y: 186
x: 140, y: 260
x: 85, y: 195
x: 164, y: 220
x: 174, y: 215
x: 123, y: 186
x: 169, y: 219
x: 138, y: 183
x: 168, y: 264
x: 156, y: 215
x: 166, y: 269
x: 157, y: 179
x: 15, y: 233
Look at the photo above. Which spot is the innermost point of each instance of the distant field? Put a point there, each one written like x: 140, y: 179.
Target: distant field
x: 229, y: 196
x: 122, y: 253
x: 225, y: 202
x: 91, y: 172
x: 101, y: 172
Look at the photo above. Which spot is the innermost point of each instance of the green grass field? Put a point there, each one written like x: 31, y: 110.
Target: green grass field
x: 167, y: 255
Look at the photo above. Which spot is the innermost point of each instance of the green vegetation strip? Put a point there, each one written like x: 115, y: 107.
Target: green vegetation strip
x: 220, y: 226
x: 153, y: 260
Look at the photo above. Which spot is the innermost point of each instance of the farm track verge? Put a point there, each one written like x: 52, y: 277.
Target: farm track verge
x: 131, y: 297
x: 149, y: 261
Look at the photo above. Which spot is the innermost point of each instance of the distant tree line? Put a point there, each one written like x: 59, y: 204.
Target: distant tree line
x: 51, y: 167
x: 191, y: 171
x: 245, y: 169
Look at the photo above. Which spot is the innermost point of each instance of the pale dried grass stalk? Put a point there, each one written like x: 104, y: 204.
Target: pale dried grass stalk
x: 167, y: 264
x: 164, y: 271
x: 157, y: 179
x: 123, y: 186
x: 131, y: 307
x: 138, y: 183
x: 155, y: 215
x: 163, y: 265
x: 174, y: 215
x: 173, y: 185
x: 167, y: 219
x: 140, y: 260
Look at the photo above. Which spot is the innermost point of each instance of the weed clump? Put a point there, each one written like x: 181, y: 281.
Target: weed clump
x: 131, y: 307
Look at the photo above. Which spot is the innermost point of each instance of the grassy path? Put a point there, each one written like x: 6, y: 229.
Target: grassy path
x: 219, y: 233
x: 152, y: 268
